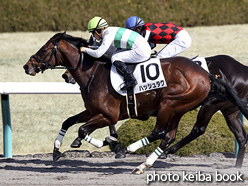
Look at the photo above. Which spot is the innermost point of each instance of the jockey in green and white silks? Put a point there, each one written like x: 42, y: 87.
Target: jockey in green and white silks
x: 132, y: 47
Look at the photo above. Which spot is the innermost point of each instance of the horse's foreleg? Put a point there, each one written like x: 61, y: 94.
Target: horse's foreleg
x: 112, y: 139
x: 97, y: 121
x: 81, y: 117
x: 112, y: 131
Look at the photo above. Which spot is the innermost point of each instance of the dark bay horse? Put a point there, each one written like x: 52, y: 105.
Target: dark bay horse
x: 236, y: 75
x: 187, y: 86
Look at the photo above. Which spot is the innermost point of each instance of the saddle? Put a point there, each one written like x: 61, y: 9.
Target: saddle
x: 149, y: 76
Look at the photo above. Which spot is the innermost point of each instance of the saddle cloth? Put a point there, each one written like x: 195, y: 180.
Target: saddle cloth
x: 202, y: 62
x: 148, y: 74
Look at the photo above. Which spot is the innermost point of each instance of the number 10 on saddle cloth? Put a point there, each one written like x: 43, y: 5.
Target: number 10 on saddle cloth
x: 149, y: 76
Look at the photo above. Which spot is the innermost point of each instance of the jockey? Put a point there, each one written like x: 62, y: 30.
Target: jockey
x: 132, y: 47
x: 176, y: 38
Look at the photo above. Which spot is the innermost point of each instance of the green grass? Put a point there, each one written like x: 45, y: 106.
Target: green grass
x: 37, y: 119
x: 218, y: 137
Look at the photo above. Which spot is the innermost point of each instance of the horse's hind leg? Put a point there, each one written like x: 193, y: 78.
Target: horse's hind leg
x: 141, y: 143
x: 168, y: 135
x: 235, y: 125
x: 204, y: 115
x: 157, y: 133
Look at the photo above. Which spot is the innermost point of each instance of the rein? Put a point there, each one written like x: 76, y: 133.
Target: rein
x: 92, y: 76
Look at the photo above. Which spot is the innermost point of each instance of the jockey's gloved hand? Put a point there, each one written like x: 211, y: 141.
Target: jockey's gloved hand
x: 82, y: 49
x: 92, y: 47
x: 154, y: 55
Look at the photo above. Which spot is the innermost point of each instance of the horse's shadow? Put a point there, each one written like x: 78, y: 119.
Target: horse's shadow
x: 120, y: 166
x: 46, y: 166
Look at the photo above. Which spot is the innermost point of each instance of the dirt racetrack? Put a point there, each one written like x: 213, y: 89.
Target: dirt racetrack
x: 101, y: 168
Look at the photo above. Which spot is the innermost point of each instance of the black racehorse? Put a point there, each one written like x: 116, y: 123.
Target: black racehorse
x: 235, y: 74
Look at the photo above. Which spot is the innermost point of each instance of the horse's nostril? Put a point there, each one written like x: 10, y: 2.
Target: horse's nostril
x: 64, y: 76
x: 25, y: 67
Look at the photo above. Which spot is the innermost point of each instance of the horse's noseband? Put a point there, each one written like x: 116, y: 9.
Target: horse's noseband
x: 46, y: 65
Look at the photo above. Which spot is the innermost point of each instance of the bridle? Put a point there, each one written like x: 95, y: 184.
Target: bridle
x: 52, y: 53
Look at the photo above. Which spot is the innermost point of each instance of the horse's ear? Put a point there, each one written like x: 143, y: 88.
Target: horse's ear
x: 63, y: 34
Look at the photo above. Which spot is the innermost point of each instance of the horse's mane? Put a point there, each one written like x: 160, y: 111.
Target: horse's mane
x: 76, y: 41
x: 79, y: 42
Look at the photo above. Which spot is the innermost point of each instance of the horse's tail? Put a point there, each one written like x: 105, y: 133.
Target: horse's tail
x: 227, y: 92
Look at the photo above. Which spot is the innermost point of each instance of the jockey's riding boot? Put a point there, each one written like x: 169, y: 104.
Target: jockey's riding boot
x: 130, y: 80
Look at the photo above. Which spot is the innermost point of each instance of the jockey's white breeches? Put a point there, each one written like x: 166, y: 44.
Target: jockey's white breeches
x: 141, y: 52
x: 178, y: 45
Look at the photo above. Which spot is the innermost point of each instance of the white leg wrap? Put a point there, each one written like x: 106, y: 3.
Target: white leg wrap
x: 149, y: 161
x: 95, y: 142
x: 59, y: 139
x: 138, y: 144
x: 153, y: 157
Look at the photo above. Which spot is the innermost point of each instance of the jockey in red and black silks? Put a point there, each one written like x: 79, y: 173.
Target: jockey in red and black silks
x: 176, y: 38
x: 160, y: 33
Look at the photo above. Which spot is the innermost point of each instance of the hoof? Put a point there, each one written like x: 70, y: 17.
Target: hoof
x: 111, y: 139
x: 140, y: 169
x: 238, y: 165
x: 76, y: 143
x: 120, y: 155
x: 137, y: 171
x: 56, y: 154
x: 163, y: 156
x: 117, y: 147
